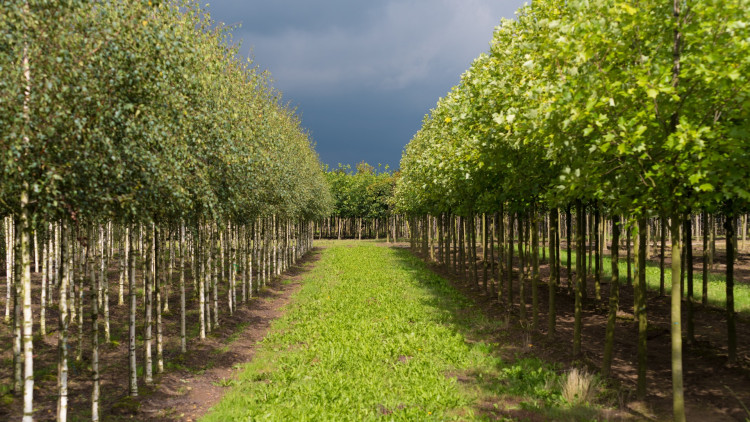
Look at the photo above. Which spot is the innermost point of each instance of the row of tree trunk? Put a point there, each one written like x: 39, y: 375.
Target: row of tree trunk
x: 390, y: 227
x: 514, y: 244
x: 224, y: 264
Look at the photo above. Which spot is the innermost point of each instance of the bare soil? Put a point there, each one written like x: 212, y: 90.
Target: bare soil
x: 191, y: 383
x: 714, y: 390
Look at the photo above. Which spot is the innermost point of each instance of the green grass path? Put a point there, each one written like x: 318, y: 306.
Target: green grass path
x: 373, y: 334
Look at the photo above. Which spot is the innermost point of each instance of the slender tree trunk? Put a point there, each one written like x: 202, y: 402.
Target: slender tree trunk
x: 597, y: 256
x: 678, y: 398
x: 19, y: 261
x: 215, y: 271
x: 501, y: 268
x: 569, y: 240
x: 663, y: 220
x: 510, y: 259
x: 105, y: 282
x: 148, y: 284
x: 628, y: 237
x: 94, y: 339
x: 475, y: 269
x: 640, y: 311
x: 704, y: 222
x: 201, y: 253
x: 158, y: 271
x: 63, y: 323
x: 554, y: 272
x: 485, y: 252
x: 731, y: 316
x: 689, y: 271
x: 534, y: 223
x: 132, y: 369
x: 183, y: 343
x: 9, y: 249
x: 614, y: 298
x: 712, y: 244
x: 522, y: 255
x: 25, y: 295
x: 580, y: 254
x: 43, y: 298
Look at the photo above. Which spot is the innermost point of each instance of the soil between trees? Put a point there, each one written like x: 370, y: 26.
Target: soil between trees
x: 714, y: 391
x: 191, y: 383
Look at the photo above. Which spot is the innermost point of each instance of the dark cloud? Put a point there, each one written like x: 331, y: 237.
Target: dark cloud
x: 363, y: 74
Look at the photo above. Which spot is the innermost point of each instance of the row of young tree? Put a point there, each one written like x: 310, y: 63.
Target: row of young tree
x: 362, y: 202
x: 134, y: 139
x: 606, y: 111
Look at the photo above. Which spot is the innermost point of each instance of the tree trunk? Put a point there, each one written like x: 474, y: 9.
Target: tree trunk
x: 689, y: 271
x: 731, y: 316
x: 132, y: 369
x: 554, y: 273
x: 27, y: 322
x: 104, y: 280
x: 597, y: 256
x: 640, y: 311
x: 580, y: 253
x: 148, y: 300
x: 158, y: 271
x: 678, y: 397
x: 9, y: 265
x: 183, y: 345
x: 534, y: 223
x: 569, y: 240
x: 94, y: 338
x: 614, y: 298
x: 43, y: 298
x: 522, y: 255
x: 661, y: 254
x: 63, y: 324
x: 704, y: 222
x: 510, y: 259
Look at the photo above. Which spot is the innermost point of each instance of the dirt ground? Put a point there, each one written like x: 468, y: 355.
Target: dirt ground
x: 714, y: 390
x: 192, y: 382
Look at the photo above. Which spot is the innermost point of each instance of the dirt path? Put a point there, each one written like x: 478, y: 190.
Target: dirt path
x: 186, y: 394
x: 192, y: 382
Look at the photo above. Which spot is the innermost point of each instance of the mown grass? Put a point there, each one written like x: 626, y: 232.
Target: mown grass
x: 375, y: 335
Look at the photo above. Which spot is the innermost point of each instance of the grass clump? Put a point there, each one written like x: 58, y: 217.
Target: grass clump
x: 580, y: 387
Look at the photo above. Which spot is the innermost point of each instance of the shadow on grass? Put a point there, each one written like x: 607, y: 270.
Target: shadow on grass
x: 517, y: 385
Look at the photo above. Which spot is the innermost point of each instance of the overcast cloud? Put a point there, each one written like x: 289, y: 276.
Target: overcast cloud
x: 363, y: 73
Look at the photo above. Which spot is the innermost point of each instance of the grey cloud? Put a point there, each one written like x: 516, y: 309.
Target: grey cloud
x: 360, y: 62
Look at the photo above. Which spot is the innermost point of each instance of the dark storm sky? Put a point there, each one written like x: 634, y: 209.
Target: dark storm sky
x: 363, y: 73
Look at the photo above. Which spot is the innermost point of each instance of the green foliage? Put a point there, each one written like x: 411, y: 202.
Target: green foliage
x: 363, y: 192
x: 582, y: 100
x: 136, y: 111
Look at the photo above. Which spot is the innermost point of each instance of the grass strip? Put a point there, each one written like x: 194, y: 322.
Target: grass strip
x: 373, y: 334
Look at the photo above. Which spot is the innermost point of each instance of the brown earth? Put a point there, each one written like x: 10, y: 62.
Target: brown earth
x: 714, y: 390
x: 192, y: 382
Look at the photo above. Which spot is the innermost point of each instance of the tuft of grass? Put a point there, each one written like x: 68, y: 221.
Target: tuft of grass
x: 580, y: 387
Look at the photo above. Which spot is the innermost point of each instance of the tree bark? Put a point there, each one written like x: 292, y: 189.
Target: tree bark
x: 580, y: 253
x: 640, y: 310
x: 63, y: 324
x: 731, y: 316
x: 678, y: 397
x: 132, y: 369
x: 614, y: 298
